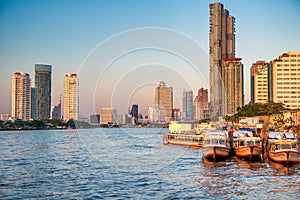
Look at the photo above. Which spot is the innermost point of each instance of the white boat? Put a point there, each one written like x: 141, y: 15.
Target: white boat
x: 282, y: 147
x: 216, y: 146
x: 246, y: 146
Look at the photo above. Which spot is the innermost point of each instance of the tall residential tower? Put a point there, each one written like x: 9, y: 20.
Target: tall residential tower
x: 43, y: 90
x: 163, y: 101
x: 21, y: 96
x: 71, y: 103
x: 221, y: 46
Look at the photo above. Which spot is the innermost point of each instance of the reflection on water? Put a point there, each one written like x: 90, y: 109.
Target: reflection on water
x: 131, y: 163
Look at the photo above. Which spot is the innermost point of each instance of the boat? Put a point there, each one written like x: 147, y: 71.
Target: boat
x: 183, y: 134
x: 216, y: 146
x: 282, y: 147
x: 246, y: 146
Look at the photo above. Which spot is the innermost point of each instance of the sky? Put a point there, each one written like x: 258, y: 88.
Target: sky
x: 122, y: 49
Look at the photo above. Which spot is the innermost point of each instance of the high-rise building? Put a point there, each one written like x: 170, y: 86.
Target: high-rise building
x: 176, y: 114
x: 221, y: 46
x: 108, y: 115
x: 259, y: 82
x: 187, y: 104
x: 200, y: 106
x: 233, y: 73
x: 21, y: 96
x: 135, y: 112
x: 33, y: 103
x: 163, y: 100
x: 71, y: 96
x: 153, y: 114
x: 285, y: 80
x: 56, y: 111
x: 43, y: 90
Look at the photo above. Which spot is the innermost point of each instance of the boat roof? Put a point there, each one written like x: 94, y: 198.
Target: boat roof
x: 216, y: 134
x: 281, y: 135
x: 242, y: 134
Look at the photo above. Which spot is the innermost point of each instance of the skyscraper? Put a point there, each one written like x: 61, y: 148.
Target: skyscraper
x: 21, y: 96
x: 187, y: 104
x: 233, y: 82
x: 163, y: 101
x: 221, y: 46
x: 200, y: 106
x: 71, y: 104
x: 285, y: 81
x: 135, y: 112
x: 33, y: 103
x: 259, y: 82
x: 43, y: 90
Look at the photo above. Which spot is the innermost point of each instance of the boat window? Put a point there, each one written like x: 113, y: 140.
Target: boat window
x: 277, y: 146
x: 214, y: 141
x: 249, y: 143
x: 207, y: 142
x: 285, y: 146
x: 257, y: 142
x: 242, y: 143
x: 222, y: 142
x: 294, y: 146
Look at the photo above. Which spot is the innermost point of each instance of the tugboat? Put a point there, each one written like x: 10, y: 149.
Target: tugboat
x: 282, y: 148
x: 216, y: 146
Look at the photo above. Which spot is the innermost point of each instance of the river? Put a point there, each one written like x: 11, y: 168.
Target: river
x: 129, y: 163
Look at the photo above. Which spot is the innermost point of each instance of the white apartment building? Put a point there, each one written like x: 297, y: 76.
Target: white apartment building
x: 71, y: 97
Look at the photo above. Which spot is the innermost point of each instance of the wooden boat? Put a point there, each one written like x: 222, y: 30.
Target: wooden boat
x: 282, y: 148
x: 216, y: 146
x: 182, y: 134
x: 246, y: 146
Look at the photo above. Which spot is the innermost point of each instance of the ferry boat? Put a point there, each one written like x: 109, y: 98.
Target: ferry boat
x: 246, y: 146
x: 216, y: 146
x: 282, y: 147
x: 183, y: 134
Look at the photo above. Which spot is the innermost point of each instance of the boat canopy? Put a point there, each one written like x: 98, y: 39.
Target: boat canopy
x: 238, y: 134
x: 216, y: 134
x: 281, y: 135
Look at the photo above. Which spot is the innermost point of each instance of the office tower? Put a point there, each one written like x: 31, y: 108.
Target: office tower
x: 21, y: 96
x: 135, y: 112
x: 259, y: 82
x: 108, y: 116
x: 233, y: 82
x: 163, y: 100
x: 187, y: 104
x: 200, y: 106
x: 56, y: 111
x: 43, y: 90
x: 153, y: 114
x: 285, y: 80
x: 33, y: 103
x: 221, y: 46
x: 71, y: 95
x: 176, y: 114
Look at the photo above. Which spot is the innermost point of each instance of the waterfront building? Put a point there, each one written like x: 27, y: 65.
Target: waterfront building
x: 71, y: 97
x: 124, y: 119
x: 163, y: 100
x: 221, y: 46
x: 285, y: 80
x: 187, y: 104
x: 200, y: 105
x: 94, y: 119
x: 135, y: 112
x: 233, y: 81
x: 153, y: 114
x: 259, y: 82
x: 176, y: 114
x: 33, y: 103
x: 43, y: 90
x: 108, y: 115
x: 21, y: 95
x: 4, y: 117
x: 56, y: 111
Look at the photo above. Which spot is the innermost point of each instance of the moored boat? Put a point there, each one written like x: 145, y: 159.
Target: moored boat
x: 216, y: 146
x: 182, y: 134
x: 246, y: 146
x: 282, y: 147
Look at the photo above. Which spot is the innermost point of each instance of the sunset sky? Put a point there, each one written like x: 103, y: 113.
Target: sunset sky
x: 122, y: 49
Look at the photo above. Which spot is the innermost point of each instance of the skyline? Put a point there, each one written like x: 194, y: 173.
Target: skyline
x: 66, y: 35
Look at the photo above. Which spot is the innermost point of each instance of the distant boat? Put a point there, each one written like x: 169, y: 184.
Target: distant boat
x: 216, y: 146
x: 246, y: 146
x: 282, y: 148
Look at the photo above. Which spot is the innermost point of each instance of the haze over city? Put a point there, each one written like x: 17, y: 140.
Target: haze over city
x: 121, y: 50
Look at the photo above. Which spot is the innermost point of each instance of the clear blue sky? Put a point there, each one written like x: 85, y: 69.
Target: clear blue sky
x: 67, y: 33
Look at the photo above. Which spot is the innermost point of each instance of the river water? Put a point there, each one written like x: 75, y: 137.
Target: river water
x: 129, y: 163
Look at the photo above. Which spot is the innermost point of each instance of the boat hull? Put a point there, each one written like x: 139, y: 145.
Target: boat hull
x: 248, y: 152
x: 216, y: 153
x: 184, y: 143
x: 284, y: 156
